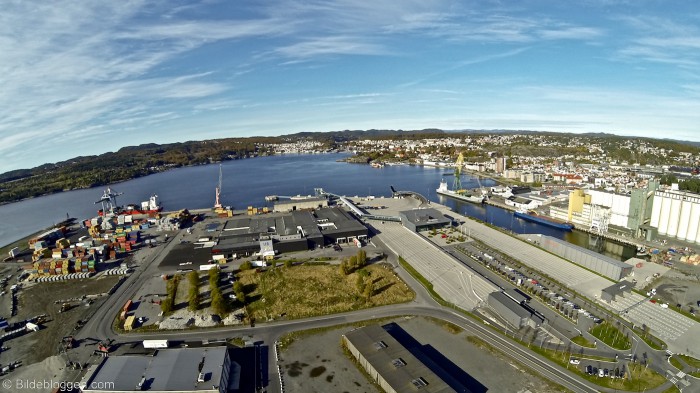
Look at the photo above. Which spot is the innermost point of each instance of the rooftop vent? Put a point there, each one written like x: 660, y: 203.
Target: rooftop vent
x: 379, y: 345
x: 419, y: 383
x: 398, y: 362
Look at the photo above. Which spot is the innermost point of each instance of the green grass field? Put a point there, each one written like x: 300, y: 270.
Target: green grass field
x: 611, y: 336
x: 582, y: 341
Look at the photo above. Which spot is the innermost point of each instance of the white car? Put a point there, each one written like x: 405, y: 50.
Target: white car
x: 664, y: 305
x: 574, y: 361
x: 601, y: 373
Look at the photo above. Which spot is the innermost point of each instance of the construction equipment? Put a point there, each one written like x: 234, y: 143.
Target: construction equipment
x: 65, y: 307
x: 68, y: 342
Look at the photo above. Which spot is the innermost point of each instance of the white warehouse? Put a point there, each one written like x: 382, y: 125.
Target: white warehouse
x: 677, y: 214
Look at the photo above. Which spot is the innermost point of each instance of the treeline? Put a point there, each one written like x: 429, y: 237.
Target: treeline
x: 127, y: 163
x: 690, y: 185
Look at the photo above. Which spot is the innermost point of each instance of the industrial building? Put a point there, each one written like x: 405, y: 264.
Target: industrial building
x: 292, y: 231
x: 676, y: 214
x: 390, y: 364
x: 513, y: 308
x: 424, y: 219
x: 290, y: 205
x: 200, y: 370
x: 601, y: 264
x: 597, y: 210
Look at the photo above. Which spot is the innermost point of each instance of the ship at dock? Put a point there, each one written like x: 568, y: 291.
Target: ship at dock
x: 109, y: 204
x: 457, y: 192
x: 461, y: 195
x: 533, y: 216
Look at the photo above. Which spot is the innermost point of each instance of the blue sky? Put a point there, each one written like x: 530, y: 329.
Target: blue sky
x: 82, y: 78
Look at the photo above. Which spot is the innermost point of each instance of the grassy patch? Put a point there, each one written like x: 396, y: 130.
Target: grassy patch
x: 676, y: 363
x: 305, y: 291
x: 478, y: 342
x: 652, y: 341
x: 640, y: 377
x: 289, y: 338
x: 690, y: 361
x: 672, y: 389
x: 237, y: 341
x: 611, y: 336
x: 582, y: 341
x: 448, y: 326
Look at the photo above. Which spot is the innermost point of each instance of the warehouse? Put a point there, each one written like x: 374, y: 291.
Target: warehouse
x: 424, y: 219
x: 516, y: 314
x: 300, y: 204
x: 390, y: 364
x: 293, y: 231
x: 200, y: 370
x: 601, y: 264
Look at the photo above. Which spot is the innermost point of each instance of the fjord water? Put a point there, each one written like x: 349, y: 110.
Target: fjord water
x: 246, y: 183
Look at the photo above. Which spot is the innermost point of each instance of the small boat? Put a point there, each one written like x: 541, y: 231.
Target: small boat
x: 271, y: 198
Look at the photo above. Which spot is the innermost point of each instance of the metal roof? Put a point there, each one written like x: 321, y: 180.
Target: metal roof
x: 397, y: 366
x: 588, y: 252
x: 168, y: 370
x: 425, y: 216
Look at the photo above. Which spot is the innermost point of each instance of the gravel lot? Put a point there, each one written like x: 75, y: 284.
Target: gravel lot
x: 316, y: 363
x: 35, y: 299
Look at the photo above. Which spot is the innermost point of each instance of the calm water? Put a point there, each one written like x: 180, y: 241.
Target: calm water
x: 247, y: 182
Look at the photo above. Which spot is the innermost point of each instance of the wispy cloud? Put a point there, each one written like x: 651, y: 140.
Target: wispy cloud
x: 660, y: 40
x: 464, y: 63
x: 69, y: 66
x: 336, y: 45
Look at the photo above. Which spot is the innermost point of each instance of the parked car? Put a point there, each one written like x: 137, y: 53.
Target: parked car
x: 589, y: 369
x: 574, y: 361
x: 606, y: 372
x: 601, y: 373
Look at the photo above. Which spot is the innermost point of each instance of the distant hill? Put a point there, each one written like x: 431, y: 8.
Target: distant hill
x: 135, y: 161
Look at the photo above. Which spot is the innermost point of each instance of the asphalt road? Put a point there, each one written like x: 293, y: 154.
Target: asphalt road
x: 100, y: 326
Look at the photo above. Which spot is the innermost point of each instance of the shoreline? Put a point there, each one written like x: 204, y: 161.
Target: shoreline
x: 157, y: 172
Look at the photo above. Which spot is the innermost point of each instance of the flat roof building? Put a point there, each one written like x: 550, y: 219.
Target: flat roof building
x: 292, y: 231
x: 610, y: 293
x: 200, y: 370
x: 423, y: 219
x: 511, y: 311
x: 390, y: 364
x: 300, y: 204
x: 599, y: 263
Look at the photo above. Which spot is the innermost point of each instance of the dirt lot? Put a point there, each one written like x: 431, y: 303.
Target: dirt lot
x: 316, y: 363
x: 676, y: 287
x: 39, y: 299
x: 308, y: 290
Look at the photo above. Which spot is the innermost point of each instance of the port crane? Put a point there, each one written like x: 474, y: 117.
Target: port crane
x: 457, y: 182
x: 217, y: 204
x: 109, y: 200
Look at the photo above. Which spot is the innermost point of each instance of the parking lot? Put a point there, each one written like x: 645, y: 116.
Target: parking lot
x: 451, y: 279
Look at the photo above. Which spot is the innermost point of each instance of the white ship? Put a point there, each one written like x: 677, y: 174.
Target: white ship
x: 461, y: 195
